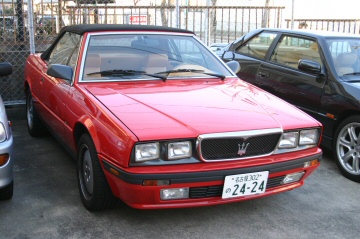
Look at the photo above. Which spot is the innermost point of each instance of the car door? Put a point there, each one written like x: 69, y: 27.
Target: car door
x: 55, y: 91
x: 281, y: 76
x: 250, y: 52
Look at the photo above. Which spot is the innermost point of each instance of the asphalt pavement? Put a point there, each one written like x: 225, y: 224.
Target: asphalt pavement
x: 46, y: 204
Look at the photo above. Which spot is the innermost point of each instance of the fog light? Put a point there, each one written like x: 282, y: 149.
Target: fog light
x: 174, y: 193
x: 293, y: 177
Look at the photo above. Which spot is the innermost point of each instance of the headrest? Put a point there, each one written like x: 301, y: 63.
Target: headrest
x: 314, y: 46
x: 155, y: 60
x: 346, y: 59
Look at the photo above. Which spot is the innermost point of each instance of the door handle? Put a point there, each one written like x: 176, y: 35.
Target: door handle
x: 264, y: 74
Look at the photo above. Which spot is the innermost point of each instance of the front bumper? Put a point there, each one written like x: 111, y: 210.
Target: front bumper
x: 6, y: 171
x: 205, y: 187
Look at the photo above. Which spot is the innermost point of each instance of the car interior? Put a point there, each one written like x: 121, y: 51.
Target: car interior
x: 344, y: 63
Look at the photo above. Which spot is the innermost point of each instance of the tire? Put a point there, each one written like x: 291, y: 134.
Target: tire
x: 6, y: 193
x: 347, y: 148
x: 94, y: 190
x: 35, y: 126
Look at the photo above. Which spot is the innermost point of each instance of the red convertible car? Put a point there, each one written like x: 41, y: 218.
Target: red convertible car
x: 155, y: 118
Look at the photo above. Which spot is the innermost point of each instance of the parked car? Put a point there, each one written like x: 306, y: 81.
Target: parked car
x: 154, y: 118
x: 6, y: 145
x: 218, y: 48
x: 319, y: 72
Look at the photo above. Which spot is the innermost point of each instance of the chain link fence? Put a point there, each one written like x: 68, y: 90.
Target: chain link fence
x: 31, y: 26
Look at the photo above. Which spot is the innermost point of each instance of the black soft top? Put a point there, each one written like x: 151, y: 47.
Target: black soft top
x: 83, y: 28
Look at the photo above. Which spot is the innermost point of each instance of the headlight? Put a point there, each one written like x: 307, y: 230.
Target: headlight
x: 308, y: 137
x: 2, y: 133
x: 145, y: 152
x: 298, y: 140
x: 163, y: 152
x: 179, y: 150
x: 289, y: 140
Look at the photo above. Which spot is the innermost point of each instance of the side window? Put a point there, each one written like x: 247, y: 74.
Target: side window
x: 291, y: 49
x: 66, y: 50
x: 258, y: 45
x: 74, y: 56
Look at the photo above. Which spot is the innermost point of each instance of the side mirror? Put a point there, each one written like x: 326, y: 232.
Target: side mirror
x: 309, y: 66
x: 234, y: 66
x: 228, y: 56
x: 5, y: 69
x: 60, y: 71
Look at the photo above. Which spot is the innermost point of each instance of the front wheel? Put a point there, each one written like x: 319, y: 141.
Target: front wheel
x: 6, y: 193
x: 347, y: 148
x: 94, y: 190
x: 35, y: 126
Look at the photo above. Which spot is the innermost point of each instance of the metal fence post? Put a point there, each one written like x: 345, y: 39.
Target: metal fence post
x: 177, y: 10
x: 31, y: 26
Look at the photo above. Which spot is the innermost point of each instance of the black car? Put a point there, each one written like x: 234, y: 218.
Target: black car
x: 218, y: 48
x: 319, y: 72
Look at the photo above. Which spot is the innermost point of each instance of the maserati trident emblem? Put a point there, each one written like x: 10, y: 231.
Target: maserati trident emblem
x: 242, y: 148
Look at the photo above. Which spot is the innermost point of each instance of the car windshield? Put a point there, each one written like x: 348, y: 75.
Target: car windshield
x: 148, y: 56
x: 345, y: 53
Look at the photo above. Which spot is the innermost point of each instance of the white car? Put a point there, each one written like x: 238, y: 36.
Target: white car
x: 6, y: 146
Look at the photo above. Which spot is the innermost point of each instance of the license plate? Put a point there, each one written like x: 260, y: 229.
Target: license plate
x: 245, y: 184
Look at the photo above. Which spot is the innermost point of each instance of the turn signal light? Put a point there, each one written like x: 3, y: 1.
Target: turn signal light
x: 311, y: 163
x: 156, y: 182
x: 114, y: 171
x: 4, y: 158
x: 331, y: 116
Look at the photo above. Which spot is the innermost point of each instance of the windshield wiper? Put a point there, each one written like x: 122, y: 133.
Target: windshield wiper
x: 222, y: 77
x: 352, y: 73
x: 119, y: 72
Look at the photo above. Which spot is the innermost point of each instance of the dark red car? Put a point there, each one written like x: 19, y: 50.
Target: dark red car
x: 154, y: 118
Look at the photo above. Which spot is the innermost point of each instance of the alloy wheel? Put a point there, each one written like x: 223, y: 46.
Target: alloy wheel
x: 348, y: 148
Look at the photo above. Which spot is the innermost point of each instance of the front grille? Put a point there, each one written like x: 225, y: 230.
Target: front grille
x: 216, y: 191
x: 232, y: 148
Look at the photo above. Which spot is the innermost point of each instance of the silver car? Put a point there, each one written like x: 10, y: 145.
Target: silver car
x: 6, y: 146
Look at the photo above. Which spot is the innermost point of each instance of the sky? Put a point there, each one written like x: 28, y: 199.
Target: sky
x: 323, y: 9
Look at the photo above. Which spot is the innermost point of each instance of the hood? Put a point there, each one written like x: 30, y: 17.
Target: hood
x: 186, y: 109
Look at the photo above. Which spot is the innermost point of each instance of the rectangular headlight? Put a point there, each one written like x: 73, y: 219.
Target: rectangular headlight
x: 179, y: 150
x: 145, y: 152
x: 308, y: 137
x: 289, y: 140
